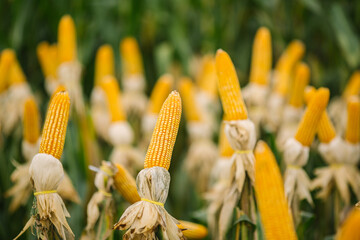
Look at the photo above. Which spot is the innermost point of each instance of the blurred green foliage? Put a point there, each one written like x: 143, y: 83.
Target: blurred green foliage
x: 173, y: 31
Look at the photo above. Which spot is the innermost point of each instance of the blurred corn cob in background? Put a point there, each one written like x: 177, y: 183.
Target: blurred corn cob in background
x: 256, y: 92
x: 48, y: 58
x: 280, y: 84
x: 350, y: 227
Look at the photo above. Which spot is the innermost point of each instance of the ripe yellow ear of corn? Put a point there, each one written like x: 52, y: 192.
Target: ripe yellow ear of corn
x: 229, y: 87
x: 16, y: 74
x: 291, y: 55
x: 187, y: 91
x: 302, y: 77
x: 193, y: 230
x: 261, y: 57
x: 131, y: 57
x: 165, y: 132
x: 60, y: 88
x: 350, y: 228
x: 270, y: 196
x: 310, y: 120
x: 352, y: 134
x: 47, y: 55
x: 104, y: 63
x: 31, y: 121
x: 353, y: 86
x: 125, y: 184
x: 112, y: 92
x: 7, y: 57
x: 224, y: 146
x: 67, y: 40
x: 207, y: 78
x: 326, y: 130
x: 160, y: 92
x: 54, y: 131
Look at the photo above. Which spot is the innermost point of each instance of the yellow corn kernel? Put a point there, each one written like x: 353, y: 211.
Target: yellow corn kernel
x: 270, y: 196
x: 60, y: 88
x: 207, y: 78
x: 125, y: 184
x: 291, y: 55
x: 187, y: 91
x: 225, y: 149
x: 16, y: 74
x: 67, y: 40
x: 350, y: 228
x: 161, y: 90
x: 131, y: 57
x: 165, y: 132
x: 302, y: 76
x: 310, y: 120
x: 229, y: 87
x: 54, y: 131
x: 261, y: 60
x: 352, y: 134
x: 326, y: 131
x: 104, y: 63
x: 7, y: 57
x: 353, y: 86
x: 192, y: 230
x: 31, y: 121
x: 112, y: 92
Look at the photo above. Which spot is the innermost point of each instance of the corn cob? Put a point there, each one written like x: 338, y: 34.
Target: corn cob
x: 229, y: 87
x: 54, y: 131
x: 261, y: 57
x: 112, y: 92
x: 310, y: 120
x: 207, y: 78
x: 350, y: 228
x: 67, y: 40
x: 187, y: 91
x: 270, y: 196
x: 7, y: 57
x: 302, y: 75
x: 16, y: 74
x: 352, y: 134
x: 224, y: 146
x: 60, y: 88
x: 131, y: 57
x: 353, y: 86
x: 161, y: 90
x: 326, y: 130
x: 31, y: 121
x: 125, y: 184
x: 193, y: 230
x: 47, y: 55
x: 104, y: 63
x: 165, y: 132
x: 292, y: 54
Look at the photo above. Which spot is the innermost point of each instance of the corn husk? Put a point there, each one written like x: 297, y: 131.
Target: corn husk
x: 134, y: 103
x: 143, y: 218
x: 104, y: 183
x: 202, y: 155
x: 275, y: 107
x: 341, y: 172
x: 242, y: 137
x: 100, y: 113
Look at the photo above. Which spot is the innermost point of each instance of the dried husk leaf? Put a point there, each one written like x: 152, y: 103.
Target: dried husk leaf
x: 129, y: 157
x: 100, y: 113
x: 134, y: 103
x: 274, y: 108
x: 210, y: 109
x: 143, y: 218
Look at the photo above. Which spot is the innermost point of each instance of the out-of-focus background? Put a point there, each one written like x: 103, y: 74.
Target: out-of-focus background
x: 170, y: 33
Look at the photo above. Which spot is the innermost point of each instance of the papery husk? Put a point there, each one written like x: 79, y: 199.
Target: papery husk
x: 67, y: 190
x: 255, y: 97
x: 296, y: 182
x: 210, y: 107
x: 69, y: 74
x: 14, y: 105
x: 142, y: 219
x: 46, y: 173
x: 338, y: 114
x: 288, y: 128
x: 129, y: 157
x: 201, y: 156
x: 51, y: 84
x: 104, y: 183
x: 274, y: 110
x: 241, y: 135
x: 100, y: 113
x: 340, y: 173
x: 134, y: 103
